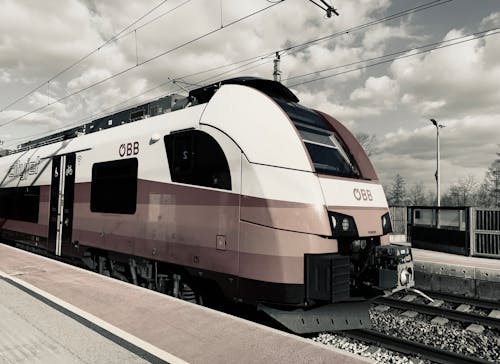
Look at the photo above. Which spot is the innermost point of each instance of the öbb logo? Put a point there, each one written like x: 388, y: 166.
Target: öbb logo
x: 362, y: 194
x: 128, y: 149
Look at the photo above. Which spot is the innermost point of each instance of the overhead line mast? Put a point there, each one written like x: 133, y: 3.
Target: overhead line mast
x: 277, y: 71
x: 329, y: 9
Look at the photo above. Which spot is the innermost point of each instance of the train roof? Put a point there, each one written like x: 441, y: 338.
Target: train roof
x: 271, y: 88
x: 159, y: 106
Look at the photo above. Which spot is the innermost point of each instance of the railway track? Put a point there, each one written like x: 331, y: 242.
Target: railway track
x: 462, y: 299
x: 412, y: 348
x: 467, y: 317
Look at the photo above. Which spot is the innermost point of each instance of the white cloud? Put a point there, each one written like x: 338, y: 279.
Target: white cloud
x: 468, y: 145
x: 377, y: 90
x: 491, y: 21
x: 87, y: 78
x: 4, y: 76
x: 453, y: 81
x: 456, y: 85
x: 381, y: 33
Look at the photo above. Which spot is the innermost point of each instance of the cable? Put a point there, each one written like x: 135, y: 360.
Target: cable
x: 440, y: 45
x: 400, y: 14
x: 139, y: 64
x: 304, y: 45
x: 117, y: 36
x: 102, y: 112
x: 210, y: 33
x: 240, y: 68
x: 458, y: 40
x: 380, y: 57
x: 153, y: 20
x: 251, y: 60
x: 300, y: 47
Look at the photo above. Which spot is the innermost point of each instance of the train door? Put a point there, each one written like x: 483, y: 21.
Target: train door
x: 62, y: 191
x: 206, y: 165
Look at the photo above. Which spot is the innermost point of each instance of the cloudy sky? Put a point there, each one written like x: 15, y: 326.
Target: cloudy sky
x: 392, y: 99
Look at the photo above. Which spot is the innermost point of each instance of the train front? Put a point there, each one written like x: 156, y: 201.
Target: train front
x: 365, y: 264
x: 314, y: 244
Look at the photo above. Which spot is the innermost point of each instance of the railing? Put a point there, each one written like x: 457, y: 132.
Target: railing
x: 442, y: 229
x: 485, y: 233
x: 469, y: 231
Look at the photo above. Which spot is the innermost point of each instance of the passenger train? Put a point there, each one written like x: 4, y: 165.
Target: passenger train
x: 233, y: 191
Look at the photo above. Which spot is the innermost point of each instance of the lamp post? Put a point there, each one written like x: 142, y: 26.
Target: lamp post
x: 438, y: 172
x: 437, y: 175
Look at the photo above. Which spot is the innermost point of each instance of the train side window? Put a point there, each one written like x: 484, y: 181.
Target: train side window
x: 20, y: 203
x: 196, y: 158
x: 114, y: 187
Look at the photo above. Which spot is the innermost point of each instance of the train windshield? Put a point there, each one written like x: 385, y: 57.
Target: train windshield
x: 325, y: 149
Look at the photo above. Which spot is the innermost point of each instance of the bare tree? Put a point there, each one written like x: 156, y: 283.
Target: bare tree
x: 416, y: 194
x: 489, y: 192
x: 462, y: 193
x: 368, y: 142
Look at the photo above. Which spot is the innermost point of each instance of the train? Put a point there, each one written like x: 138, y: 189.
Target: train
x: 232, y: 192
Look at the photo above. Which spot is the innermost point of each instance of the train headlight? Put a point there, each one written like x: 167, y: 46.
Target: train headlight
x: 342, y: 225
x: 345, y: 224
x: 386, y: 224
x: 334, y: 222
x: 358, y: 245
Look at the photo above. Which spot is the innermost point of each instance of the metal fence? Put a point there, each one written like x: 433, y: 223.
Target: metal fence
x: 442, y: 229
x: 470, y: 231
x: 485, y: 232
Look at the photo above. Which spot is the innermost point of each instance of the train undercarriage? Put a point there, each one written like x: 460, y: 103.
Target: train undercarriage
x: 336, y: 293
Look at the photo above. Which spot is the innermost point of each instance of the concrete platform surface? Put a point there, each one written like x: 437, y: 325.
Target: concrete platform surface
x: 455, y: 259
x: 146, y: 322
x: 457, y: 274
x: 33, y: 332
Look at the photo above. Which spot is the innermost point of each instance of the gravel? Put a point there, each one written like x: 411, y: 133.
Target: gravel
x: 380, y: 355
x: 452, y: 337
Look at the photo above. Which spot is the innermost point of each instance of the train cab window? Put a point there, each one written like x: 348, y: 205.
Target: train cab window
x: 196, y: 158
x: 20, y: 203
x: 114, y: 187
x: 326, y: 150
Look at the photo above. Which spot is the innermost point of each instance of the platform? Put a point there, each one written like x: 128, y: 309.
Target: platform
x: 137, y: 323
x: 33, y: 332
x: 457, y: 274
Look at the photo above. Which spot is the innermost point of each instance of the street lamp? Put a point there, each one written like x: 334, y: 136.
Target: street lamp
x: 438, y: 174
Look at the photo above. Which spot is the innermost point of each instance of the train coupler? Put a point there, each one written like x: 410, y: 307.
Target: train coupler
x: 395, y: 268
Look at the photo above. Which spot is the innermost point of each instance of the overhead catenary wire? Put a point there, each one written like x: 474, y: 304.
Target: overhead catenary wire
x: 120, y: 106
x: 437, y: 45
x: 304, y: 45
x: 115, y: 37
x: 284, y: 51
x: 128, y: 69
x: 249, y: 63
x: 297, y: 48
x: 458, y: 40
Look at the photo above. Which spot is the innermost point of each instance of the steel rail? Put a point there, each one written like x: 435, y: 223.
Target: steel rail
x: 440, y: 311
x: 412, y: 348
x: 492, y: 305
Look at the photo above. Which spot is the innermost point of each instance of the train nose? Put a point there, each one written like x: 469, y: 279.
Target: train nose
x: 405, y: 277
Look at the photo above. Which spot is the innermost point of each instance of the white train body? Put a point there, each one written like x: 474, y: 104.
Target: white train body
x: 267, y: 224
